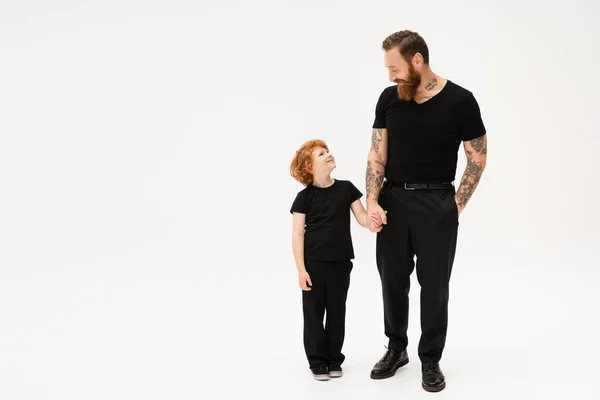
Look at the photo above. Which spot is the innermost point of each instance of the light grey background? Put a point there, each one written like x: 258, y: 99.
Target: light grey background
x: 145, y: 234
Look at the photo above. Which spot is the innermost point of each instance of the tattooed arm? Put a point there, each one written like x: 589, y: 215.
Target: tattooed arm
x: 374, y: 178
x: 376, y: 164
x: 476, y: 151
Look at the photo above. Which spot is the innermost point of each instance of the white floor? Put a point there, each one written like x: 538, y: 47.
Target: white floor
x: 527, y: 330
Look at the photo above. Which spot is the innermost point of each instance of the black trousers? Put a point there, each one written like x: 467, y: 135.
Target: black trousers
x: 421, y: 223
x: 330, y: 282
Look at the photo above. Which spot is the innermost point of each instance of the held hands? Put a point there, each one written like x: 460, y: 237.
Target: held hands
x: 304, y: 281
x: 376, y: 217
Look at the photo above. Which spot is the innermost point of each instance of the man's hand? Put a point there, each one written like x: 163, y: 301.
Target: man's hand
x: 304, y: 281
x: 376, y: 217
x: 458, y: 206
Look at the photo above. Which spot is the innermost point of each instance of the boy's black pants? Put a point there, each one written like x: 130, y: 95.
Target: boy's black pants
x: 330, y: 282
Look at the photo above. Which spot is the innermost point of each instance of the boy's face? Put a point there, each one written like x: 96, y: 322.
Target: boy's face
x: 323, y: 161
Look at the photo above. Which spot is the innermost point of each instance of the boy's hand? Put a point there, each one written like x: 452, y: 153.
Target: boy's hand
x: 376, y: 217
x: 303, y: 279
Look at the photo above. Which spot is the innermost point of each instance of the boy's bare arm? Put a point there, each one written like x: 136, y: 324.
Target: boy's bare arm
x: 359, y: 213
x: 298, y: 229
x: 298, y: 224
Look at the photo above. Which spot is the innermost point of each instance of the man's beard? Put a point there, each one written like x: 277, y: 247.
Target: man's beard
x: 407, y: 88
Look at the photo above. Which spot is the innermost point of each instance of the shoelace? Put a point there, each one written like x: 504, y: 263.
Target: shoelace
x: 387, y: 356
x: 322, y: 368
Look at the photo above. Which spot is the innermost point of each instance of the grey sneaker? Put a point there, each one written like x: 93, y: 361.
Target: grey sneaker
x: 320, y: 372
x: 335, y: 371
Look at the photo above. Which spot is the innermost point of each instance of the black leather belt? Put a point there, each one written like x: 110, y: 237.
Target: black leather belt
x: 422, y: 186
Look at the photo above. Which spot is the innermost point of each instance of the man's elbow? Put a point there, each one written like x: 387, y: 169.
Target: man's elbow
x: 480, y: 160
x: 377, y: 158
x: 483, y: 162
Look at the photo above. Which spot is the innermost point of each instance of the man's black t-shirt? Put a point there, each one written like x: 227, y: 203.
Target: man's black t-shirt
x: 327, y: 233
x: 423, y: 139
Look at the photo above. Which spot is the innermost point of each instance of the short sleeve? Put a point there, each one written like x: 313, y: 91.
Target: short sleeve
x: 299, y: 204
x: 470, y: 122
x: 355, y: 194
x: 379, y: 122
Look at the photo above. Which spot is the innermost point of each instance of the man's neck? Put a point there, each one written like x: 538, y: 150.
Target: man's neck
x: 429, y: 82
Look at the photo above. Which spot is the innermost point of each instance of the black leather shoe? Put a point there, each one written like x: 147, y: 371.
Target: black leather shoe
x: 389, y: 364
x: 433, y: 379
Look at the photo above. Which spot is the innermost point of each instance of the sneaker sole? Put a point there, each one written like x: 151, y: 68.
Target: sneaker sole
x: 336, y: 374
x: 434, y: 388
x: 321, y: 377
x: 392, y: 372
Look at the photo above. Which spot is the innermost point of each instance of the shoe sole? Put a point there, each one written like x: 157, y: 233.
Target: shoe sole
x: 434, y: 388
x: 321, y: 377
x: 392, y: 372
x: 336, y: 374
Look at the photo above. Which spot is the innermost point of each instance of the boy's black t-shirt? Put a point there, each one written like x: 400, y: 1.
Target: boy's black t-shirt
x: 423, y: 139
x: 327, y: 234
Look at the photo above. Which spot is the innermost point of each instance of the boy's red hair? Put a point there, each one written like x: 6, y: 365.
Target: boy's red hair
x: 302, y: 162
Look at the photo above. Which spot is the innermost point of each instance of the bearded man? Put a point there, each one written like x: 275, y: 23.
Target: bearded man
x: 419, y: 125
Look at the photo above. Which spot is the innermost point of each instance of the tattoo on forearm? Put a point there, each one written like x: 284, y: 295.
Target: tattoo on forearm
x: 469, y: 182
x: 376, y: 139
x: 380, y: 163
x: 374, y: 181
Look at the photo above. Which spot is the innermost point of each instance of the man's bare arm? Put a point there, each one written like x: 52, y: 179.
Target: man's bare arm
x: 376, y: 164
x: 476, y: 151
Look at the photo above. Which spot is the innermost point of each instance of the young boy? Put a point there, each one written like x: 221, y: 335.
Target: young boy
x: 323, y: 252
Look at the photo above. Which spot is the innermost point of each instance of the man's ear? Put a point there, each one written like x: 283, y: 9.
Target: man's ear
x: 417, y: 60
